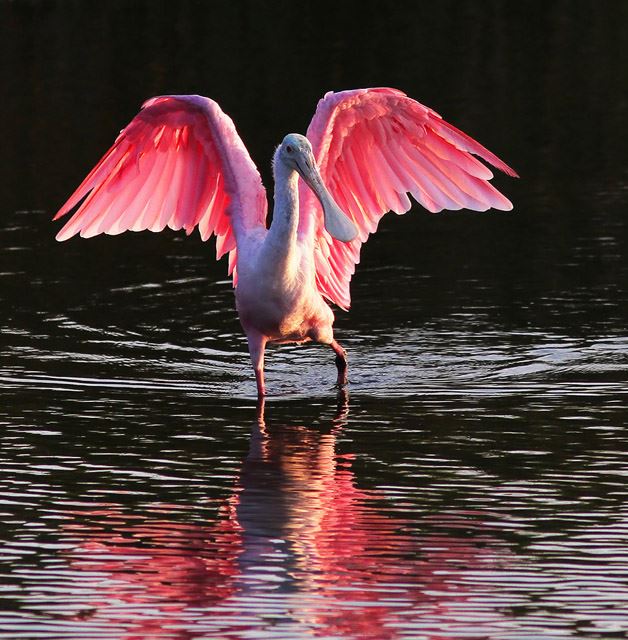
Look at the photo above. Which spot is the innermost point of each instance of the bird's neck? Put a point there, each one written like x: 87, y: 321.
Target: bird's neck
x: 286, y: 207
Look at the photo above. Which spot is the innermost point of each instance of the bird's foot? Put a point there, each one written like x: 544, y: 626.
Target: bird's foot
x: 342, y: 364
x: 342, y: 379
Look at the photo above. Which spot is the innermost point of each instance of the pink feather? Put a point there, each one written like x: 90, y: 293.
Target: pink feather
x: 375, y: 146
x: 179, y: 164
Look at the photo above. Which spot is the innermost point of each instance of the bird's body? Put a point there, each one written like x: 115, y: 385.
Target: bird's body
x: 276, y: 297
x: 180, y: 163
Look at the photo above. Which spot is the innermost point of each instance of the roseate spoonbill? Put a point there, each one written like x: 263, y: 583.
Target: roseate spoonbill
x: 181, y: 164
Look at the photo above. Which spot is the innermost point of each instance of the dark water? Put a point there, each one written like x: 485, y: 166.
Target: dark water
x: 472, y: 483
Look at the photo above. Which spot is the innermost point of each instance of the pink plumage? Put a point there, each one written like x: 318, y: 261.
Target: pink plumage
x: 181, y: 164
x: 373, y: 146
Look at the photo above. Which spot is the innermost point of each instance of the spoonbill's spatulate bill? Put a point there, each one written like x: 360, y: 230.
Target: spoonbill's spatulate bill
x: 181, y: 164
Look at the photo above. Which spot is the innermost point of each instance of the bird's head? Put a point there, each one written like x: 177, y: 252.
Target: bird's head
x: 296, y: 153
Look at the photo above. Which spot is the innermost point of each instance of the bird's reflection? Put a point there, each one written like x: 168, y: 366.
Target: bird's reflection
x: 297, y: 543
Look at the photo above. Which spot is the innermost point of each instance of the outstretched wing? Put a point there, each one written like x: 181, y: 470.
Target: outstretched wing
x: 179, y: 163
x: 373, y: 147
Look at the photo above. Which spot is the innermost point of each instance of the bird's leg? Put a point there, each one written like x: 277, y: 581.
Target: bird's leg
x: 257, y: 344
x: 341, y: 363
x: 259, y: 380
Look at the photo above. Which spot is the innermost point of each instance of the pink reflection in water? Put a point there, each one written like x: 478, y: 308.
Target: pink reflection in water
x: 297, y: 544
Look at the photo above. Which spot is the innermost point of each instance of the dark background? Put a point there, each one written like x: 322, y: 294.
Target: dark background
x: 542, y: 84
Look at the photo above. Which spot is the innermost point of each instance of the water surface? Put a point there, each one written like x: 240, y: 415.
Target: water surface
x: 471, y: 483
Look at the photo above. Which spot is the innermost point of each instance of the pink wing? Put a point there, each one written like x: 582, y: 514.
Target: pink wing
x: 373, y: 147
x: 180, y: 163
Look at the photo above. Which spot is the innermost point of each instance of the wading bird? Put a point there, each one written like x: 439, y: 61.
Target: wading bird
x: 181, y: 164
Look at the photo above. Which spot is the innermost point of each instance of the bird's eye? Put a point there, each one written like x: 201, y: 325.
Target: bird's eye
x: 289, y: 149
